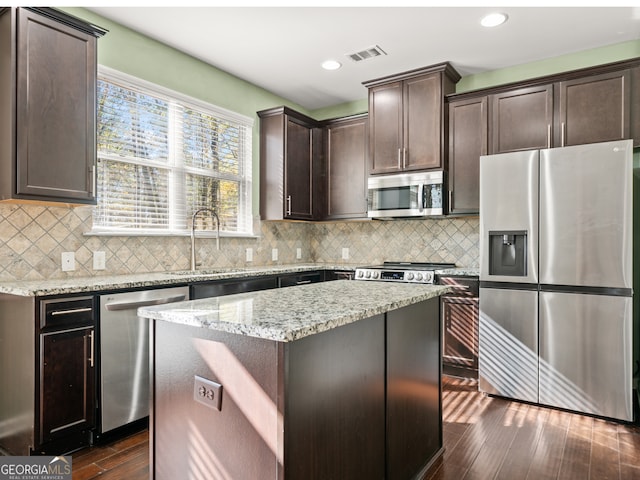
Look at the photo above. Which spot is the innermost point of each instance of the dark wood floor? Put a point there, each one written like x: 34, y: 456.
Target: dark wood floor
x: 485, y: 438
x: 493, y: 438
x: 125, y: 459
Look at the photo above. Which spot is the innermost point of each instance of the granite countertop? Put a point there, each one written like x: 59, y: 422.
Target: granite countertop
x: 33, y: 288
x: 288, y: 314
x: 64, y: 286
x: 465, y: 271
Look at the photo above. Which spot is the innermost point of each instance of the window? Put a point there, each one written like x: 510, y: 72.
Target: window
x: 162, y: 156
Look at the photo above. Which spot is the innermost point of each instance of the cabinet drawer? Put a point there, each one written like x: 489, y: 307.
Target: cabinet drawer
x: 66, y: 312
x: 300, y: 279
x: 464, y: 286
x: 219, y: 289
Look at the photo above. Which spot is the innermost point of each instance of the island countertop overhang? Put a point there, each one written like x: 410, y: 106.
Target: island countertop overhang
x: 292, y: 313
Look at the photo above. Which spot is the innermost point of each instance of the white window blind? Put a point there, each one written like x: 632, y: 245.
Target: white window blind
x: 162, y: 155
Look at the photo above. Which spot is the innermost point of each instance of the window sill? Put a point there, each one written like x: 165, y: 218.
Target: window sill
x: 150, y: 233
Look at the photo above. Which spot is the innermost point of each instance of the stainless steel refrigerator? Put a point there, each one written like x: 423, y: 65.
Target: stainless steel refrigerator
x: 556, y: 237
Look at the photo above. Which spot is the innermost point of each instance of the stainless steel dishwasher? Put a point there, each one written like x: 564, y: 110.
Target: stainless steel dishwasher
x: 124, y: 354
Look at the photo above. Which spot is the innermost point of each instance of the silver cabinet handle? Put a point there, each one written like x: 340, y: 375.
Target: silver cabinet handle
x: 73, y: 310
x: 404, y: 158
x: 91, y: 348
x: 563, y: 133
x: 450, y: 199
x: 92, y: 179
x: 143, y: 303
x: 288, y: 204
x: 549, y: 135
x: 399, y: 163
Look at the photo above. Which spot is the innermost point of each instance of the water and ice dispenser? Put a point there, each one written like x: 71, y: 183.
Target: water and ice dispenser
x: 508, y: 253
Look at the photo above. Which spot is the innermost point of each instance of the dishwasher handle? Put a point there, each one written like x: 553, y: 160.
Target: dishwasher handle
x: 112, y: 307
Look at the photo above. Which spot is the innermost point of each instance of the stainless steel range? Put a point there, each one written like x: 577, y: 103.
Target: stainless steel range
x: 409, y: 272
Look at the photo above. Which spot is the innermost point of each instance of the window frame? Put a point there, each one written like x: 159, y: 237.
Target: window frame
x: 177, y: 196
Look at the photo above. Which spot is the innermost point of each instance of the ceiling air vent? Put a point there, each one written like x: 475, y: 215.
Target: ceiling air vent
x: 366, y: 54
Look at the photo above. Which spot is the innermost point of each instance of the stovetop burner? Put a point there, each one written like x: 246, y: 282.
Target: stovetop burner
x: 413, y: 272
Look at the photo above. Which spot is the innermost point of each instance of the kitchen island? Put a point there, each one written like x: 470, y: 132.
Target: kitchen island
x: 330, y: 380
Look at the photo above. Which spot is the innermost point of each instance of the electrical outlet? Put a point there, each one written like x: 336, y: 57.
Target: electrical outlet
x: 274, y: 254
x: 68, y: 261
x: 249, y: 254
x: 207, y: 392
x: 345, y: 253
x: 298, y: 253
x: 99, y: 260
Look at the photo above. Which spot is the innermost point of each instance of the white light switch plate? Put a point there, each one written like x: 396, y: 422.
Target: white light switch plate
x: 298, y: 253
x: 68, y: 260
x: 345, y: 253
x: 274, y: 254
x: 249, y: 254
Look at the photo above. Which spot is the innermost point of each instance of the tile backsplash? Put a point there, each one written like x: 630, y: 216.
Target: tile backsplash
x: 33, y: 237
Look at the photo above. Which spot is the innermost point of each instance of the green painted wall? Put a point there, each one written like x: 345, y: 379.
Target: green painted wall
x: 135, y: 54
x: 563, y: 63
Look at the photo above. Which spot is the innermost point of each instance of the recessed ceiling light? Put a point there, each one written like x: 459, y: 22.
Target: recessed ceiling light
x: 493, y: 20
x: 331, y: 65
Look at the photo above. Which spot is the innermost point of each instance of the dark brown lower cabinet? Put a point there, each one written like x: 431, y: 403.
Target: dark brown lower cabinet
x: 460, y: 318
x: 67, y: 385
x: 66, y: 379
x: 354, y: 402
x: 47, y: 373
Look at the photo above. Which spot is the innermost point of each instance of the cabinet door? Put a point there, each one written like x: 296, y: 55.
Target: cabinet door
x: 467, y: 141
x: 385, y: 128
x: 67, y: 382
x: 298, y: 171
x: 460, y: 332
x: 595, y: 109
x: 56, y: 96
x: 346, y: 147
x: 422, y: 123
x: 521, y: 119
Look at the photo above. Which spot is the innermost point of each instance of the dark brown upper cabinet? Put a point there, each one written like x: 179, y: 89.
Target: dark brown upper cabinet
x: 468, y: 120
x: 594, y: 109
x: 579, y: 110
x: 346, y: 143
x: 522, y: 119
x: 290, y: 165
x: 596, y: 104
x: 407, y: 119
x: 48, y: 99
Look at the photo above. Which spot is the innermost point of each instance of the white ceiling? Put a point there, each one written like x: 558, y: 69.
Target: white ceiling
x: 281, y: 48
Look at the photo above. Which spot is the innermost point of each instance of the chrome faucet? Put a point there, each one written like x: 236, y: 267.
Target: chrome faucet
x: 193, y: 233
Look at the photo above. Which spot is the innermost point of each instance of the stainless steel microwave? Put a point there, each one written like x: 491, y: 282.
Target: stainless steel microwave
x: 406, y: 195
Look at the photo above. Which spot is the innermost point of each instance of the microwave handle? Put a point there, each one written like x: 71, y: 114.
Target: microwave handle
x: 421, y: 197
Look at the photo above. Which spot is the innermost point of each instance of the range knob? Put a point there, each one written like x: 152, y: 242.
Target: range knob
x: 368, y: 275
x: 376, y: 274
x: 360, y: 274
x: 409, y: 276
x: 418, y: 277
